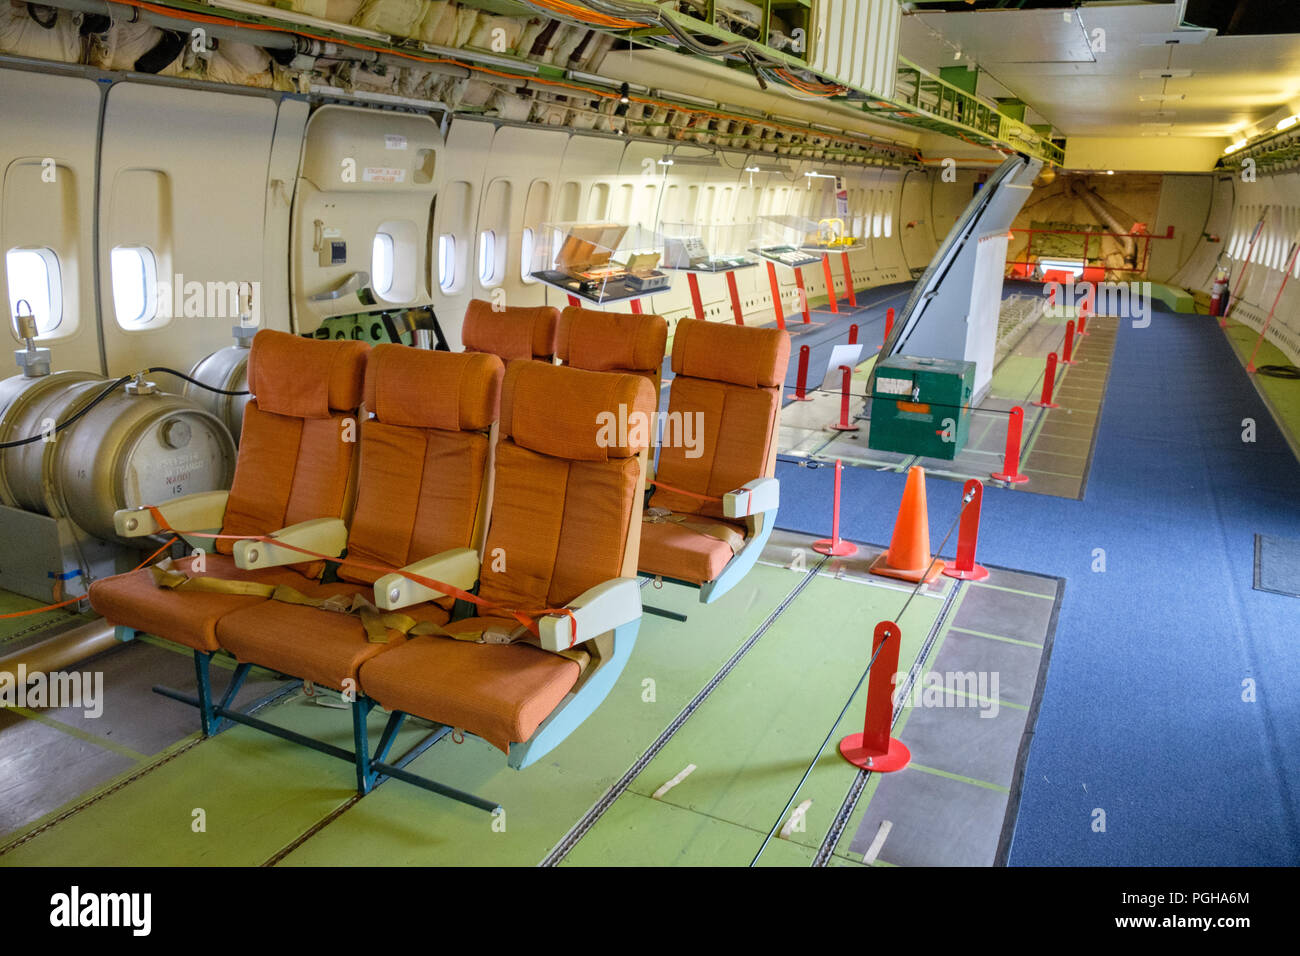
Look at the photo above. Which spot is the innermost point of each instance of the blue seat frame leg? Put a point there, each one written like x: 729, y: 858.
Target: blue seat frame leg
x: 212, y: 718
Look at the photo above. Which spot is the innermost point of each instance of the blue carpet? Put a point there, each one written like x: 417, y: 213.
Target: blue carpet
x: 1171, y: 703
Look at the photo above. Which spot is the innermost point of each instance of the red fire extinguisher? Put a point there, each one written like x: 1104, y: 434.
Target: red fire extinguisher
x: 1219, y: 292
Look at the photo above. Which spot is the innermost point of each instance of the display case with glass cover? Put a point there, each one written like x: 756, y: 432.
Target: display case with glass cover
x: 599, y: 262
x: 782, y: 239
x: 697, y: 247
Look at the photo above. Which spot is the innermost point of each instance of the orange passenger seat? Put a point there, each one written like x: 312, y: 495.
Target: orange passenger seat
x: 563, y: 533
x: 511, y: 332
x: 295, y: 464
x: 423, y: 489
x: 613, y: 342
x: 719, y: 451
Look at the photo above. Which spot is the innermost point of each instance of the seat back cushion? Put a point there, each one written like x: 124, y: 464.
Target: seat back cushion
x: 423, y: 456
x: 567, y: 480
x: 295, y: 461
x: 722, y: 412
x: 512, y: 332
x: 613, y: 342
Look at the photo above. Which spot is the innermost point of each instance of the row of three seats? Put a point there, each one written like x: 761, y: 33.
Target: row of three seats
x: 719, y: 433
x: 551, y: 506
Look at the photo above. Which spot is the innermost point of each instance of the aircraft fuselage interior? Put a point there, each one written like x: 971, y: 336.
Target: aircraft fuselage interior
x: 650, y: 433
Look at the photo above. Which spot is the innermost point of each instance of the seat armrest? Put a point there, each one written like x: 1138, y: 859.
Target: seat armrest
x: 197, y: 512
x: 323, y: 535
x: 755, y: 497
x: 597, y: 611
x: 458, y: 567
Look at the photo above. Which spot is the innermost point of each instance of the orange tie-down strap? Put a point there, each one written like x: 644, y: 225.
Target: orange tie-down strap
x: 527, y: 618
x: 724, y: 533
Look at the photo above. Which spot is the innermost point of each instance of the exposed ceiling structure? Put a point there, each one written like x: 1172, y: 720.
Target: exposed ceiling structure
x: 1125, y: 69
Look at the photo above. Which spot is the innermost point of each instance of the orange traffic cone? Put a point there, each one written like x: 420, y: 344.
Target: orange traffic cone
x: 908, y: 557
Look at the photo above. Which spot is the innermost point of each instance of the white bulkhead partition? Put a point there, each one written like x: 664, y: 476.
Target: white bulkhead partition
x: 195, y: 199
x: 368, y: 181
x: 46, y: 210
x: 454, y: 266
x: 520, y: 168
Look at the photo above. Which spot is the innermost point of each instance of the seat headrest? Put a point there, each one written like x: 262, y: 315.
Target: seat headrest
x: 737, y: 354
x: 609, y: 341
x: 423, y: 389
x: 305, y: 378
x: 576, y: 414
x: 511, y: 332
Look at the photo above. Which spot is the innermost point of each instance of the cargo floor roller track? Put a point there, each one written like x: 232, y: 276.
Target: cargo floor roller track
x: 139, y: 771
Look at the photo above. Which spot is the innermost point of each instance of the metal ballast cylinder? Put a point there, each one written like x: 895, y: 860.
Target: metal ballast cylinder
x: 227, y: 370
x: 136, y: 446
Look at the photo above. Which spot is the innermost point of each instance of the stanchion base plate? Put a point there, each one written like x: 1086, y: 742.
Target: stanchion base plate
x: 1045, y: 404
x: 1010, y: 479
x: 924, y: 575
x: 977, y: 573
x: 806, y: 398
x: 840, y: 548
x: 844, y: 428
x: 896, y: 758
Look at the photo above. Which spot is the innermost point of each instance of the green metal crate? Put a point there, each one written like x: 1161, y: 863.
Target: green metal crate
x: 921, y: 406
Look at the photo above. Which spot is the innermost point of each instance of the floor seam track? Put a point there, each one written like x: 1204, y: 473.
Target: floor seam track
x: 841, y: 821
x: 589, y: 819
x: 125, y: 781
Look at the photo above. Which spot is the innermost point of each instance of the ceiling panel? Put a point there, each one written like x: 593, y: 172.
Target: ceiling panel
x: 1047, y: 58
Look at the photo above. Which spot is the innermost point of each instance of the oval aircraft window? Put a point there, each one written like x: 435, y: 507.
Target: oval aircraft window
x: 33, y: 276
x: 447, y: 261
x: 135, y: 278
x: 487, y: 256
x: 526, y: 250
x: 381, y: 264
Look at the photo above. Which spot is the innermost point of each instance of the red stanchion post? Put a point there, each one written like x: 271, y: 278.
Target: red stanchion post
x: 1082, y: 330
x: 736, y: 310
x: 776, y: 295
x: 697, y: 301
x: 803, y: 297
x: 1011, y: 459
x: 636, y: 307
x: 889, y: 325
x: 853, y: 334
x: 965, y: 568
x: 830, y: 284
x: 848, y: 282
x: 833, y: 545
x: 844, y: 425
x: 874, y: 749
x: 1049, y: 383
x: 801, y: 389
x: 1067, y: 352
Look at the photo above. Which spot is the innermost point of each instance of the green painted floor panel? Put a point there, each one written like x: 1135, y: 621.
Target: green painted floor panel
x: 1282, y: 394
x: 642, y: 831
x: 752, y: 740
x: 403, y: 825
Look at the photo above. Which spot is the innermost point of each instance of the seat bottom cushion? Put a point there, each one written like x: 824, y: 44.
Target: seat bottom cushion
x: 680, y: 553
x: 186, y: 617
x: 500, y: 692
x: 324, y: 647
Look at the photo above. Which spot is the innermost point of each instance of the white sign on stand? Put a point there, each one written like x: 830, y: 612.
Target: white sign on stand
x: 849, y: 355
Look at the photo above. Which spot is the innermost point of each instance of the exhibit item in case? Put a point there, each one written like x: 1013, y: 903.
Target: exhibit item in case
x: 701, y: 247
x: 599, y: 262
